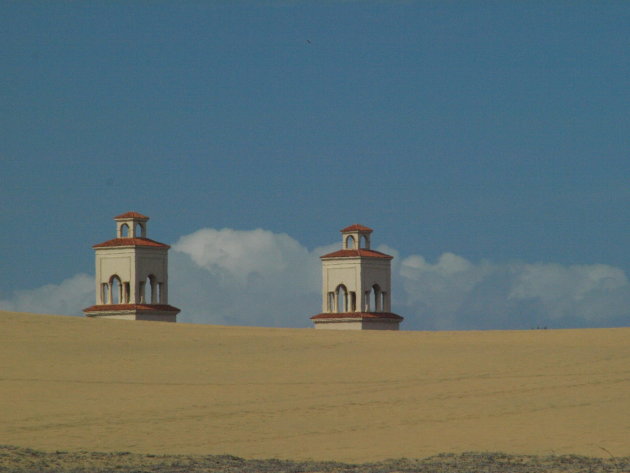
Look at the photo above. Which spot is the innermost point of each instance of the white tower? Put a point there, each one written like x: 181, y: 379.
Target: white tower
x: 356, y: 290
x: 132, y: 274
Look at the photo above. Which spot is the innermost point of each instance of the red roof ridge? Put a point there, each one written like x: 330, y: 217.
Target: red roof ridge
x: 362, y: 252
x: 356, y: 227
x: 131, y: 242
x: 135, y: 215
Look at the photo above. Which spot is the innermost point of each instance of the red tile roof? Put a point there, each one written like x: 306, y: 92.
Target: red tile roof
x: 131, y: 242
x: 356, y: 253
x: 153, y: 307
x: 356, y: 227
x: 357, y: 315
x: 135, y: 215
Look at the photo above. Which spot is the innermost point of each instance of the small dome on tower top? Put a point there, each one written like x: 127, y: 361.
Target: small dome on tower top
x: 356, y: 228
x: 134, y: 215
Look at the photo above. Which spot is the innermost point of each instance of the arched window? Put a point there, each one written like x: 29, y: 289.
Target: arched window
x: 342, y: 298
x: 363, y: 242
x: 115, y: 290
x: 350, y: 242
x: 376, y: 291
x: 139, y: 230
x: 374, y: 299
x: 124, y: 230
x: 149, y: 290
x: 330, y: 305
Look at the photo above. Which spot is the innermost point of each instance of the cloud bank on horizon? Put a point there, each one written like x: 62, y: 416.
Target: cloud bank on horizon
x: 257, y: 277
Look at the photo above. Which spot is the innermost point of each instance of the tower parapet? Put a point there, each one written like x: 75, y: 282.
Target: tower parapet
x: 132, y: 274
x: 356, y: 286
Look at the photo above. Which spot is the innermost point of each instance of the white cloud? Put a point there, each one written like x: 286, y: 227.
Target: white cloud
x: 69, y: 297
x: 253, y: 277
x: 593, y: 293
x: 437, y: 293
x: 454, y: 293
x: 257, y: 277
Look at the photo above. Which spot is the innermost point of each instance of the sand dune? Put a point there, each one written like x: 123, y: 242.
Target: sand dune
x: 74, y: 383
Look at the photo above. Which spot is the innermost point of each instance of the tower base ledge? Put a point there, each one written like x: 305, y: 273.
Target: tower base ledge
x: 149, y: 312
x: 357, y: 321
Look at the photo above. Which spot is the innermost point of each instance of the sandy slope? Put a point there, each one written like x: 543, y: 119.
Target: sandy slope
x: 75, y: 383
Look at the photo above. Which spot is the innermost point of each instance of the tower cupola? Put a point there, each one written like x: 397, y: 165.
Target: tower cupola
x: 356, y: 237
x: 131, y: 225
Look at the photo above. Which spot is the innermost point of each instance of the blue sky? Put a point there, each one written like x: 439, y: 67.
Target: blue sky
x: 496, y: 132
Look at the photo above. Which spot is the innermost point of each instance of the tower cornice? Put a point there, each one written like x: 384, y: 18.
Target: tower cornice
x: 360, y: 253
x: 130, y: 242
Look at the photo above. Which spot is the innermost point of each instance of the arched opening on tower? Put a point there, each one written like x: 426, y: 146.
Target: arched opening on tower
x: 139, y: 230
x: 353, y: 301
x: 374, y: 299
x: 363, y: 242
x: 116, y: 290
x: 124, y: 231
x: 341, y: 295
x: 350, y: 243
x: 330, y: 304
x: 149, y: 290
x: 376, y: 290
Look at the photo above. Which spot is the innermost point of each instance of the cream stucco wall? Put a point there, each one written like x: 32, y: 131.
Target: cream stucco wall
x: 132, y: 265
x: 357, y: 324
x: 357, y: 275
x: 337, y: 325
